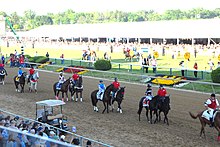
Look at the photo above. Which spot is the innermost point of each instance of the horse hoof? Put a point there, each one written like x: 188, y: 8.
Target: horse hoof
x: 67, y: 99
x: 76, y: 100
x: 81, y: 99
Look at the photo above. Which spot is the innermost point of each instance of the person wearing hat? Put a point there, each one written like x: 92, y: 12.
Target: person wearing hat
x: 211, y: 104
x: 20, y: 72
x: 116, y: 86
x: 101, y: 87
x: 75, y: 77
x: 162, y: 92
x: 61, y: 80
x: 148, y: 95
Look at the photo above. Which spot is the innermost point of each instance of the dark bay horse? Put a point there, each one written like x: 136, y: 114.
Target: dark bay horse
x: 76, y: 88
x: 106, y: 98
x: 64, y: 89
x: 119, y: 98
x: 164, y: 106
x: 20, y: 81
x: 153, y: 107
x: 3, y: 73
x: 205, y: 121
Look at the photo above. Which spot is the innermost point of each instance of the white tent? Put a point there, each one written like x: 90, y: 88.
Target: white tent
x: 204, y: 28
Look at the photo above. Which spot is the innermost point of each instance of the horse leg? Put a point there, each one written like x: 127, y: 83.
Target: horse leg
x: 159, y: 116
x: 147, y: 114
x: 104, y: 107
x: 72, y: 95
x: 67, y: 96
x: 113, y: 105
x: 63, y: 96
x: 119, y: 107
x: 80, y: 96
x: 57, y: 95
x: 76, y: 96
x: 150, y: 116
x: 166, y: 118
x: 156, y: 120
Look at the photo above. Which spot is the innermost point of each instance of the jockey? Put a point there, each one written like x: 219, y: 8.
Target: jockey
x: 211, y: 104
x: 148, y: 95
x: 61, y: 80
x: 101, y: 87
x: 162, y: 92
x: 116, y: 86
x: 75, y: 77
x: 149, y: 90
x: 20, y: 72
x: 31, y: 72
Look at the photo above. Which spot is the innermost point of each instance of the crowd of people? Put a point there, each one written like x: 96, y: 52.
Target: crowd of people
x: 29, y: 134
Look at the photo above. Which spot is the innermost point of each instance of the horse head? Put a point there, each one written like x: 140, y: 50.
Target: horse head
x: 120, y: 93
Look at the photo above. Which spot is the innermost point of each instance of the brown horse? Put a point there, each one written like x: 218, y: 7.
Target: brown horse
x: 204, y: 121
x: 64, y: 89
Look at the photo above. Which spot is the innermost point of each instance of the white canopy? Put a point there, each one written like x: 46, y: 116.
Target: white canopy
x: 204, y: 28
x: 50, y: 103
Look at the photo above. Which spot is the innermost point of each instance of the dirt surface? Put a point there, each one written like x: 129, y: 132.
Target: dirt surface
x: 114, y: 128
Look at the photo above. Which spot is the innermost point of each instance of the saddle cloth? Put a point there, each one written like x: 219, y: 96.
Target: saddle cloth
x: 17, y: 79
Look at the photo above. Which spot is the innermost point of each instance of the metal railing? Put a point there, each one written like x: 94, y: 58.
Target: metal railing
x: 82, y: 139
x: 207, y: 87
x: 136, y: 68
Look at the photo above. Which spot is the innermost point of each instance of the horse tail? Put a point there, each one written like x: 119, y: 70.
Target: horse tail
x: 140, y: 106
x: 93, y: 97
x: 194, y: 116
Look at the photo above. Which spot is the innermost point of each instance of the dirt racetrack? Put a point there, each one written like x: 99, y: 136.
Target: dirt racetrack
x: 116, y: 129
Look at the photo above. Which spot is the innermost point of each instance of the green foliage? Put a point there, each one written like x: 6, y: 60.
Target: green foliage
x: 215, y: 75
x: 38, y: 59
x: 103, y: 65
x: 31, y: 20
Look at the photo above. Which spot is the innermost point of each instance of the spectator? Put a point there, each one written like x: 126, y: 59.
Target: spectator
x: 211, y: 64
x: 47, y: 55
x: 154, y: 64
x: 195, y: 69
x: 3, y: 59
x: 218, y: 65
x: 88, y: 143
x: 181, y: 64
x: 62, y: 59
x: 36, y: 54
x: 146, y: 64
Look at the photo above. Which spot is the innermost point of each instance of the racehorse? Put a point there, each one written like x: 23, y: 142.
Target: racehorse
x: 138, y: 55
x: 153, y: 107
x: 2, y: 76
x: 119, y: 98
x: 127, y: 56
x: 76, y: 88
x: 106, y: 98
x: 205, y: 121
x: 20, y: 81
x: 64, y: 89
x: 33, y: 82
x: 164, y: 106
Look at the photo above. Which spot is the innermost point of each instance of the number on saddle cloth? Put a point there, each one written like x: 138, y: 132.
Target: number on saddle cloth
x: 2, y: 72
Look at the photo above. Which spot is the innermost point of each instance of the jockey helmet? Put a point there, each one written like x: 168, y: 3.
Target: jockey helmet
x: 212, y: 95
x: 149, y: 85
x: 161, y: 86
x: 19, y: 67
x: 61, y: 73
x: 100, y: 81
x: 116, y: 79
